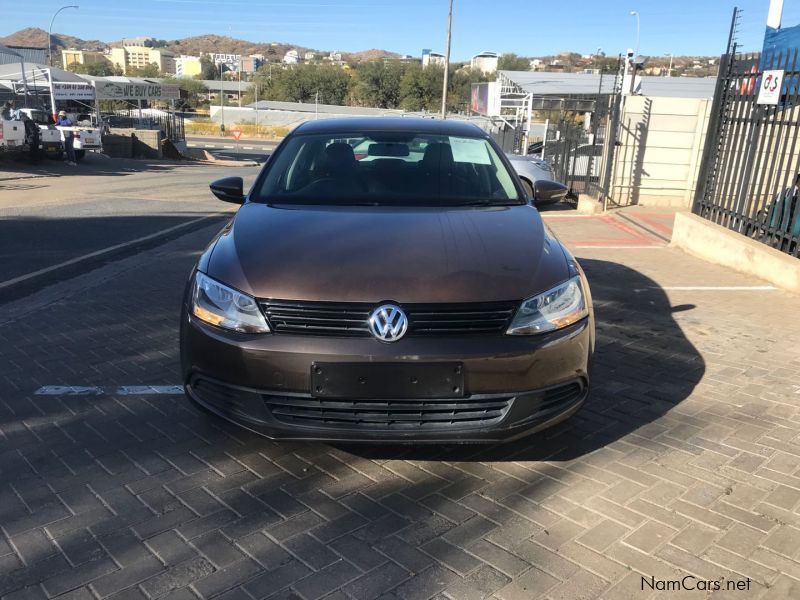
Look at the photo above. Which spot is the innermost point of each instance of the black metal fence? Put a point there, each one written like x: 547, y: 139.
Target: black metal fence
x: 750, y: 170
x: 170, y: 123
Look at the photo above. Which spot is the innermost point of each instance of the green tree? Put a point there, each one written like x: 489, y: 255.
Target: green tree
x: 512, y: 62
x: 150, y: 70
x: 421, y: 89
x: 96, y: 69
x: 377, y: 84
x: 301, y: 83
x: 194, y: 92
x: 208, y: 70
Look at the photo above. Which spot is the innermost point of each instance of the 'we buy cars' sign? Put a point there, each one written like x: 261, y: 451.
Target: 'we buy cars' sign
x: 118, y: 90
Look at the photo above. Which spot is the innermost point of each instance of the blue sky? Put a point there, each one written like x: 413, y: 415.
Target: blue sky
x: 526, y: 27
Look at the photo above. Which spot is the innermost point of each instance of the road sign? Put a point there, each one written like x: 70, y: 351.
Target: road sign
x: 237, y: 133
x: 770, y: 90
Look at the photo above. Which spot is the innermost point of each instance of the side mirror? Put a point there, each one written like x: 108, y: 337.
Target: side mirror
x: 548, y: 192
x: 229, y: 189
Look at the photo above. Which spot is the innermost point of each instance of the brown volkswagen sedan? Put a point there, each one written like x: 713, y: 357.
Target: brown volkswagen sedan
x: 387, y: 280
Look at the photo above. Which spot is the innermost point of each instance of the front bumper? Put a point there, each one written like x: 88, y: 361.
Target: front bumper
x: 514, y: 385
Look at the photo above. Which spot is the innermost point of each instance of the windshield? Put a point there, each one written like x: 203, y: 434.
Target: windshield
x: 387, y: 168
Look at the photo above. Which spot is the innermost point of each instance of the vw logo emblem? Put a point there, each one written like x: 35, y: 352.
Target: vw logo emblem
x: 388, y: 323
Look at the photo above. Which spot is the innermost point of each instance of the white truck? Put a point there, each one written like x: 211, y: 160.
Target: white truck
x: 12, y: 137
x: 86, y: 137
x: 50, y: 141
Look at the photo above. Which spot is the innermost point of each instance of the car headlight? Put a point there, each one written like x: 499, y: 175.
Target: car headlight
x: 217, y: 304
x: 554, y: 309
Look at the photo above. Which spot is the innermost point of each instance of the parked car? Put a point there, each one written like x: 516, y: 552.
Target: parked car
x: 532, y: 169
x: 386, y: 300
x: 50, y: 138
x: 12, y: 136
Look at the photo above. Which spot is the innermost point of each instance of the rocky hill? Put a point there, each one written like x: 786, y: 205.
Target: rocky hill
x: 35, y: 37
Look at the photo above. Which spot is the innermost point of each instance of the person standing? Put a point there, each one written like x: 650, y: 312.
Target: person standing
x: 69, y: 139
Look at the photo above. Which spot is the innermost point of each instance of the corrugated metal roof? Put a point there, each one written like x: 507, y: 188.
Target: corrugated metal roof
x: 322, y: 108
x: 12, y: 54
x: 567, y: 84
x: 33, y: 71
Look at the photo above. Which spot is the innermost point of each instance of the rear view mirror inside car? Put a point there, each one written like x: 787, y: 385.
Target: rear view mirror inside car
x: 388, y: 149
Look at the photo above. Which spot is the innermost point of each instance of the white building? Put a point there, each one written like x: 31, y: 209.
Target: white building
x: 309, y: 56
x: 291, y: 57
x: 486, y: 62
x: 432, y: 58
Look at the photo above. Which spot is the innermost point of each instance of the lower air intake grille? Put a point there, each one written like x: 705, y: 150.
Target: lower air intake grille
x: 388, y: 414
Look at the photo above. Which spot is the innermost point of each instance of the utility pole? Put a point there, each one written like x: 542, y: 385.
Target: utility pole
x: 447, y: 60
x: 221, y: 101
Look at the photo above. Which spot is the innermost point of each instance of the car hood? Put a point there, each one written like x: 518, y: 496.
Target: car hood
x: 372, y: 254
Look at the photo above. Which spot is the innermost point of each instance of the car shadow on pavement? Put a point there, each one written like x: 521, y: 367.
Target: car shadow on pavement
x: 100, y: 166
x: 96, y: 487
x: 643, y: 367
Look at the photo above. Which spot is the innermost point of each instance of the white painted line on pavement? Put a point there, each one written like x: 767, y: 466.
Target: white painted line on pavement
x: 123, y: 390
x: 595, y: 247
x: 716, y: 288
x: 229, y: 147
x: 68, y: 390
x: 209, y: 145
x: 96, y: 253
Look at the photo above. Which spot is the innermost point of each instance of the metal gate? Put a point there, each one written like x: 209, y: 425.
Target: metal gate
x: 750, y: 170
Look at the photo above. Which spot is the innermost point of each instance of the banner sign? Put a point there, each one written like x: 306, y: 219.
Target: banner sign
x: 113, y: 90
x: 485, y: 99
x: 72, y: 91
x: 770, y: 90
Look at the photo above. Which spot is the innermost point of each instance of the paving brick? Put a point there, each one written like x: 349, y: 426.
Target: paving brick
x: 79, y: 576
x: 425, y: 584
x: 228, y: 577
x: 405, y: 555
x: 361, y: 554
x: 502, y: 560
x: 217, y: 549
x: 311, y: 552
x: 276, y: 579
x: 531, y: 584
x: 650, y: 536
x: 451, y: 556
x: 128, y: 576
x: 602, y: 535
x: 177, y: 576
x: 170, y: 548
x: 33, y: 545
x: 377, y: 581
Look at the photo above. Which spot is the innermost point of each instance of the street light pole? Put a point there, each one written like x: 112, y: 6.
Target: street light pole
x: 447, y: 61
x: 669, y: 72
x: 638, y: 30
x: 50, y: 34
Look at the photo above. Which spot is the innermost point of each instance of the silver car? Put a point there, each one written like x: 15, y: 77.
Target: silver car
x: 532, y: 169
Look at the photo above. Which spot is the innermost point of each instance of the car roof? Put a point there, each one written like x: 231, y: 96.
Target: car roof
x: 399, y: 124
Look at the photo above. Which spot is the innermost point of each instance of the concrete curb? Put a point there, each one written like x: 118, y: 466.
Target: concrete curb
x: 721, y: 246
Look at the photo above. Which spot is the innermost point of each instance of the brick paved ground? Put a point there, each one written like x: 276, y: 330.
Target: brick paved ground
x: 684, y: 462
